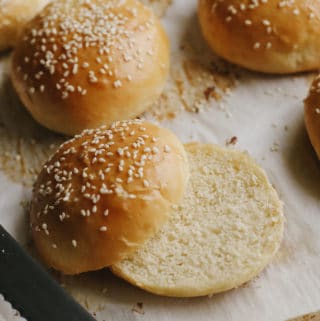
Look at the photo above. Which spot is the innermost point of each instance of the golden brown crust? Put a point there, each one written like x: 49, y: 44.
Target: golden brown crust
x: 273, y: 36
x: 13, y: 16
x: 312, y: 114
x: 98, y: 62
x: 104, y: 193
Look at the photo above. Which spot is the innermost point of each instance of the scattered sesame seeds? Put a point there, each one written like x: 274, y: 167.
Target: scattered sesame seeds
x: 238, y: 10
x: 131, y: 149
x: 91, y: 25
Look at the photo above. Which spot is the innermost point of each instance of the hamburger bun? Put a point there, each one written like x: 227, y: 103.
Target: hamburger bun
x: 269, y: 36
x: 227, y: 228
x: 85, y: 63
x: 104, y: 193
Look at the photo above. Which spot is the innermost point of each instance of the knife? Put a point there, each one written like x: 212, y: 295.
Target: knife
x: 30, y: 289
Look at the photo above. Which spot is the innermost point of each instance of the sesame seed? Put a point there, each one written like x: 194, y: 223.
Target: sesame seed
x: 103, y: 229
x: 100, y: 176
x: 117, y: 84
x: 74, y: 243
x: 94, y: 25
x: 167, y: 149
x: 268, y: 45
x: 256, y: 45
x: 296, y: 12
x: 266, y: 22
x: 32, y: 90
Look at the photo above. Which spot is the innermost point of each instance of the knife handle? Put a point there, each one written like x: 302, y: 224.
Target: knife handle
x: 31, y: 289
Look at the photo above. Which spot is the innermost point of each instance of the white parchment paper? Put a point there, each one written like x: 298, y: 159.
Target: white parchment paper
x: 7, y: 312
x: 265, y: 113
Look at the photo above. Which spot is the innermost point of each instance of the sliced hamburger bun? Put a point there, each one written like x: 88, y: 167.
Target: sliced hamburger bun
x: 86, y: 63
x: 226, y: 230
x: 104, y: 193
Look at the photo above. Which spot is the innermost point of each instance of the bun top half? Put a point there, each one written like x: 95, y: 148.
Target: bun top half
x: 104, y: 193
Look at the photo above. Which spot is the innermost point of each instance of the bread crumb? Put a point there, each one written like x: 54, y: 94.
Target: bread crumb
x: 138, y: 308
x: 210, y: 92
x: 232, y: 141
x: 104, y: 290
x: 275, y: 147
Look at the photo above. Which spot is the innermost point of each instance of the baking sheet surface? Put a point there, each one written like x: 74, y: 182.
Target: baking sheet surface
x: 209, y: 101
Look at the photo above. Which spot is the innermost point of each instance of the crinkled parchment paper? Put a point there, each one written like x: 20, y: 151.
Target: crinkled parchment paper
x: 207, y: 100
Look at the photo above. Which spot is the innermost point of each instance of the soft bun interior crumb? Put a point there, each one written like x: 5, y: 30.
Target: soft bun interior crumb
x: 225, y: 231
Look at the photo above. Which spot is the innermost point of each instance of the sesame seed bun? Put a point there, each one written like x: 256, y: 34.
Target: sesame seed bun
x: 106, y: 192
x: 312, y: 114
x: 273, y: 36
x: 86, y: 63
x: 13, y: 16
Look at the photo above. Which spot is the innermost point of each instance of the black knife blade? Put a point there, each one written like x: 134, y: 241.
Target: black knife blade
x: 30, y: 289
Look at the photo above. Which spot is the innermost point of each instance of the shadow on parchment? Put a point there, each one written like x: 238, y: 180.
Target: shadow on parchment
x: 303, y: 163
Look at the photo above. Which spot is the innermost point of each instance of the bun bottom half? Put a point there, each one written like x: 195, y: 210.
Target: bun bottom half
x: 226, y: 230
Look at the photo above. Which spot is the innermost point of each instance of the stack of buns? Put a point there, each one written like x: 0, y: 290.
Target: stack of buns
x: 121, y: 197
